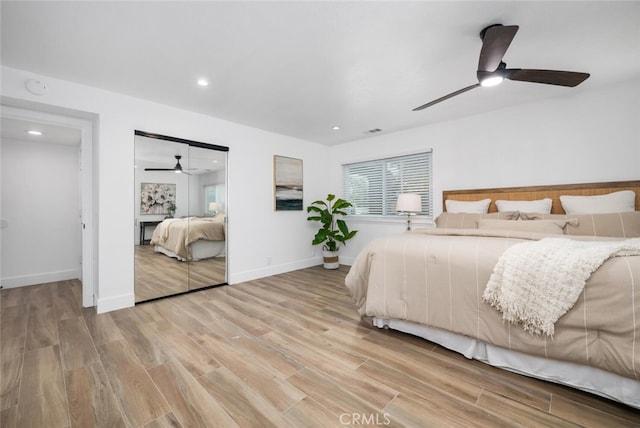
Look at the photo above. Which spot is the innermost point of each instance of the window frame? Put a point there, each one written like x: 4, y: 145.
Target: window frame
x: 426, y: 192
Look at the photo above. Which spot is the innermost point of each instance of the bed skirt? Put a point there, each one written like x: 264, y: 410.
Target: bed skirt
x: 590, y: 379
x: 200, y: 250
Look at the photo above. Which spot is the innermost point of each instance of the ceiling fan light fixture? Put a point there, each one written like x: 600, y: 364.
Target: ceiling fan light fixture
x: 492, y: 81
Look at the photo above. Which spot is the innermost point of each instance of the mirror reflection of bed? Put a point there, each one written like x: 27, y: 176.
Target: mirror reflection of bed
x: 180, y: 234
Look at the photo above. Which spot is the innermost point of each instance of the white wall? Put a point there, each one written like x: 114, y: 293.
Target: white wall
x: 588, y: 136
x: 261, y: 241
x: 41, y: 207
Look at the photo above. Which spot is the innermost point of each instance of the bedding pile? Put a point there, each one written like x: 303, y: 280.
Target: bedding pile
x: 535, y: 283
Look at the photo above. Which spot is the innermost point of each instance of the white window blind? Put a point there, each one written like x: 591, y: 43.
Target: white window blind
x: 373, y: 186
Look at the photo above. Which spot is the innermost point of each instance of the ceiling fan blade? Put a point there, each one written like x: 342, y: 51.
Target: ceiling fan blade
x: 446, y: 97
x: 495, y: 42
x: 549, y: 77
x: 159, y: 169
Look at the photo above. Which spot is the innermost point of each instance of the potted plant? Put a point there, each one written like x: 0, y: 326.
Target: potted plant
x: 171, y: 209
x: 334, y: 230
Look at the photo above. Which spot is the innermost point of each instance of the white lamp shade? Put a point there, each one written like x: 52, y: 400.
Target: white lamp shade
x: 409, y: 203
x: 214, y: 206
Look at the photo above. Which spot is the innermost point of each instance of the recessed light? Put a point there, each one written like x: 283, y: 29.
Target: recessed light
x: 34, y: 132
x: 203, y: 82
x: 336, y: 128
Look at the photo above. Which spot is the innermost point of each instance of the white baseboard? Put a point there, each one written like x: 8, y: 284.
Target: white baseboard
x: 109, y: 304
x: 235, y: 278
x: 40, y: 278
x: 283, y: 268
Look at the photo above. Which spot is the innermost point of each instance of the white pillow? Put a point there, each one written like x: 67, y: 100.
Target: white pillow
x: 538, y: 206
x: 616, y: 202
x: 476, y: 207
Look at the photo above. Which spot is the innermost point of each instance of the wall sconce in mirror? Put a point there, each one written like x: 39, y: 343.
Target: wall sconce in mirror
x: 409, y: 203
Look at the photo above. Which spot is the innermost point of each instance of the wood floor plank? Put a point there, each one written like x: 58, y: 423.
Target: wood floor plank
x: 257, y: 348
x: 520, y: 413
x: 445, y: 372
x: 247, y: 407
x: 13, y: 332
x: 406, y: 383
x: 246, y: 322
x: 11, y: 357
x: 101, y: 327
x: 91, y: 399
x: 310, y: 414
x: 591, y: 416
x: 422, y: 413
x: 313, y: 348
x: 43, y: 399
x: 334, y: 398
x: 183, y: 318
x: 76, y: 345
x: 18, y: 296
x: 136, y: 393
x: 183, y: 348
x: 190, y: 402
x: 258, y: 376
x: 142, y: 341
x: 376, y: 393
x: 64, y: 300
x: 9, y: 417
x: 14, y: 321
x: 433, y: 401
x: 42, y: 330
x: 165, y: 421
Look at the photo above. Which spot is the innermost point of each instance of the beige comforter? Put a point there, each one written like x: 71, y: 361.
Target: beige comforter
x: 177, y: 234
x: 437, y: 277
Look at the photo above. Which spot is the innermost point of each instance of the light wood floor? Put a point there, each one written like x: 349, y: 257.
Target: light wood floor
x: 284, y: 351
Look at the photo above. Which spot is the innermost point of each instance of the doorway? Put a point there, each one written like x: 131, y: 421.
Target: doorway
x: 45, y: 238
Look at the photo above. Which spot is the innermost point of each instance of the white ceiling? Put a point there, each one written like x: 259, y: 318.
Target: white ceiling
x: 14, y: 129
x: 299, y: 68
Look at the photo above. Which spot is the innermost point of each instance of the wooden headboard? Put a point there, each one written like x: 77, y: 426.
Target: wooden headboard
x: 539, y: 192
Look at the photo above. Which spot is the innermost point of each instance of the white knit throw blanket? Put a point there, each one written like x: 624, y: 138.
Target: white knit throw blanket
x: 535, y: 283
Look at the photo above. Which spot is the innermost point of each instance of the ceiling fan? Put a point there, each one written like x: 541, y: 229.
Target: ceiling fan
x: 177, y: 169
x: 492, y: 70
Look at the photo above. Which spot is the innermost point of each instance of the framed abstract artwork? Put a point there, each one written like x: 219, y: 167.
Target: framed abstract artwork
x: 287, y: 178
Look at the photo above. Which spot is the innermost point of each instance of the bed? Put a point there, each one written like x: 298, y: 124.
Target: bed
x: 191, y: 238
x: 458, y: 284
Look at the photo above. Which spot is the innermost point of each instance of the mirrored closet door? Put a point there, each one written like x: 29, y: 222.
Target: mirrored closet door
x: 180, y: 233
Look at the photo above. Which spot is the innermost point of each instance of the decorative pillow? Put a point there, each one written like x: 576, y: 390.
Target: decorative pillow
x: 616, y: 225
x: 555, y: 227
x: 616, y: 202
x: 470, y: 220
x: 538, y: 206
x: 478, y: 207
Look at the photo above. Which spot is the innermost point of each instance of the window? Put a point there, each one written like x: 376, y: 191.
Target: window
x: 373, y: 186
